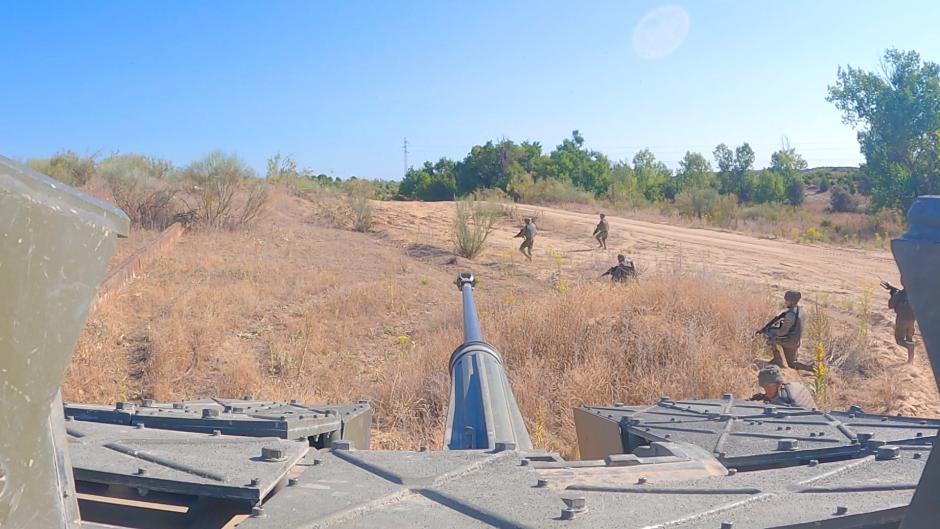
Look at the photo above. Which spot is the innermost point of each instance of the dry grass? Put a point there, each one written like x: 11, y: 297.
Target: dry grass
x: 294, y: 308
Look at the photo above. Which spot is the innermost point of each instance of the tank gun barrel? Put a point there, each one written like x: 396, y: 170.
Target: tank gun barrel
x: 482, y: 410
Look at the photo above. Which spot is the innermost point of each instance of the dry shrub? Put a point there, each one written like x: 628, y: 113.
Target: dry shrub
x: 140, y: 187
x: 227, y: 193
x: 474, y: 221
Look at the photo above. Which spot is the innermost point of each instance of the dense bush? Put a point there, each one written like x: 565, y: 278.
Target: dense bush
x: 842, y: 201
x: 66, y: 167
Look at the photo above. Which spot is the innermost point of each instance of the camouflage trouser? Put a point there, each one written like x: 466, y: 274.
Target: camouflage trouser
x: 789, y: 354
x: 602, y: 238
x: 904, y: 332
x: 526, y: 248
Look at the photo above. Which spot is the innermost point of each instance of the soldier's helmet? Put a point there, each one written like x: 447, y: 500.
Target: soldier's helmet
x: 602, y: 215
x: 792, y: 295
x: 621, y: 258
x: 769, y: 374
x: 527, y: 220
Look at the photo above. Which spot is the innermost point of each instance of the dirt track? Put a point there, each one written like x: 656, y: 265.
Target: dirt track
x: 841, y: 278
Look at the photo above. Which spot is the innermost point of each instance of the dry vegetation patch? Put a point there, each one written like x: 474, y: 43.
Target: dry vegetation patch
x: 294, y: 308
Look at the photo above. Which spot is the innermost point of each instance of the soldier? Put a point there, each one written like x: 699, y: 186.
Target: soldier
x: 528, y: 234
x: 600, y: 232
x: 785, y: 333
x: 904, y: 322
x: 622, y: 271
x: 776, y: 391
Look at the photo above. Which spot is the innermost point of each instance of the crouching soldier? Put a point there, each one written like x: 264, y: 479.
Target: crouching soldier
x: 785, y: 333
x: 776, y: 391
x: 622, y: 271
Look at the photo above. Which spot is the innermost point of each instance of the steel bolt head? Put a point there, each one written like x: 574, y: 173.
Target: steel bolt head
x: 770, y: 410
x: 575, y: 502
x: 216, y: 433
x: 841, y: 509
x: 618, y: 405
x: 147, y: 403
x: 273, y: 453
x: 292, y: 481
x: 541, y: 483
x: 641, y: 480
x: 863, y: 437
x: 254, y: 482
x: 665, y: 398
x: 888, y: 452
x: 257, y: 512
x: 874, y: 444
x: 141, y: 471
x: 918, y: 455
x: 140, y: 426
x: 732, y: 471
x: 813, y: 462
x: 503, y: 446
x: 423, y: 448
x: 178, y: 406
x: 728, y: 396
x: 786, y: 445
x: 727, y: 525
x: 568, y: 514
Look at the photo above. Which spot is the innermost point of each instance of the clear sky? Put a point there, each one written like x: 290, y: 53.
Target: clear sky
x: 339, y: 84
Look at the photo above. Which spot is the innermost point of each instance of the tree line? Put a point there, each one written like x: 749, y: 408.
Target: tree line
x: 512, y: 167
x: 896, y: 112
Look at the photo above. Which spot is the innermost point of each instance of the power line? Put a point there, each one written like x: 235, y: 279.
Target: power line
x: 405, y: 149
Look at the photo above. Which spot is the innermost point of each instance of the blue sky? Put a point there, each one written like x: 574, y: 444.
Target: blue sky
x: 338, y: 85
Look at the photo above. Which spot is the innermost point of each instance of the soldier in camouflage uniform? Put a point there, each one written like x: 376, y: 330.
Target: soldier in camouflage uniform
x: 600, y: 232
x: 528, y: 234
x: 776, y: 391
x: 904, y: 322
x: 785, y: 333
x: 622, y: 271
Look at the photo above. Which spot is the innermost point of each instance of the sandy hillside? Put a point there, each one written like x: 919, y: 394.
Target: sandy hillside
x: 844, y: 280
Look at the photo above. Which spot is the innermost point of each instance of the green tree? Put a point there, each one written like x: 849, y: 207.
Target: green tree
x: 651, y: 175
x: 897, y: 112
x: 695, y: 172
x: 589, y: 170
x: 724, y: 159
x: 742, y: 181
x: 788, y: 164
x: 796, y: 191
x: 768, y: 187
x: 432, y: 182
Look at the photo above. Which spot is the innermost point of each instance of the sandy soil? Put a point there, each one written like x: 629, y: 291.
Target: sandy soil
x: 841, y: 278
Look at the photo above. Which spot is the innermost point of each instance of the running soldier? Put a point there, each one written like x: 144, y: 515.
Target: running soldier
x: 528, y: 234
x: 600, y: 232
x: 622, y: 271
x: 904, y: 321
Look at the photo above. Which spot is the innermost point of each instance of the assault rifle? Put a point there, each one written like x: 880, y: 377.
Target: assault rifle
x: 890, y: 288
x: 770, y: 324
